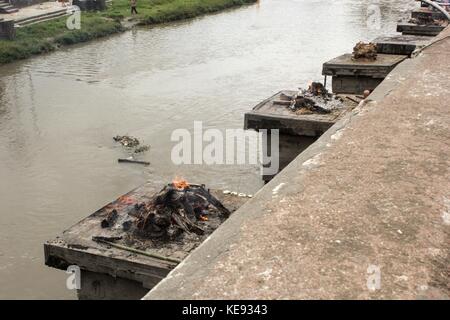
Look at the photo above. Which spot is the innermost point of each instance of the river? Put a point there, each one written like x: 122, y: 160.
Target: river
x: 59, y: 112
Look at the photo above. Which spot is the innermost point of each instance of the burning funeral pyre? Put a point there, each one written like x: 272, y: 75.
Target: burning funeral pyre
x: 365, y: 51
x: 316, y: 99
x: 178, y: 208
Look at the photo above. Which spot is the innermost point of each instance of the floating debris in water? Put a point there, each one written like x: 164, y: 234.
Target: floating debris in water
x: 127, y: 141
x: 132, y: 142
x: 131, y: 160
x: 142, y: 149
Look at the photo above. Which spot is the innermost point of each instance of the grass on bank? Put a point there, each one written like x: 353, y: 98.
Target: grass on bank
x: 48, y: 36
x: 160, y: 11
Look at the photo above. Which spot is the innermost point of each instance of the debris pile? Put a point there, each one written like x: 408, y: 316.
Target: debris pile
x: 365, y: 51
x: 178, y: 208
x: 127, y: 141
x: 316, y: 99
x: 131, y: 142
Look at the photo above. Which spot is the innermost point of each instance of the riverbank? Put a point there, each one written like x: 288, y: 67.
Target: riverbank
x: 50, y: 35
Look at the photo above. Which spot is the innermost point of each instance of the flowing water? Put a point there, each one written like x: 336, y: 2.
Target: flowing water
x: 59, y: 112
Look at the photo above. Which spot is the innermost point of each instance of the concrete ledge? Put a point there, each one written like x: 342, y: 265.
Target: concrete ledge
x: 25, y: 3
x: 372, y: 193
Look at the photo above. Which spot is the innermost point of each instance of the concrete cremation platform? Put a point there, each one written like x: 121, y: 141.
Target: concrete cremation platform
x: 427, y: 12
x: 401, y: 44
x: 268, y: 115
x: 354, y: 76
x: 420, y: 30
x: 363, y: 213
x: 297, y: 131
x: 113, y: 273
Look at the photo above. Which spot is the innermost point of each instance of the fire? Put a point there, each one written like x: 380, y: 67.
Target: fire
x: 180, y: 183
x: 125, y: 199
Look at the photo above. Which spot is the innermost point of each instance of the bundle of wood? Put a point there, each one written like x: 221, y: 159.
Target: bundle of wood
x: 367, y: 51
x: 127, y: 141
x: 177, y: 208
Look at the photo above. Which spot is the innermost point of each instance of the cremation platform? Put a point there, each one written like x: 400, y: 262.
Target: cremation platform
x: 427, y: 12
x: 126, y: 271
x: 268, y: 115
x: 401, y: 44
x: 420, y: 30
x: 355, y: 76
x: 297, y: 131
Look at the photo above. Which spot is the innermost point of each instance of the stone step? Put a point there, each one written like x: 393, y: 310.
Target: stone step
x: 6, y: 7
x: 23, y: 20
x: 9, y: 9
x: 41, y: 18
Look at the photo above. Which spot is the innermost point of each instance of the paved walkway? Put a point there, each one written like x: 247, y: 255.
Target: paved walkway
x: 372, y: 195
x: 32, y: 11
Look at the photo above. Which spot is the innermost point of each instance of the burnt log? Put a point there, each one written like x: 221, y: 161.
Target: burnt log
x: 110, y: 219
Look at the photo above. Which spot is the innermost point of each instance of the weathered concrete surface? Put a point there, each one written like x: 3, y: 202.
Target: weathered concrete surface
x: 373, y: 190
x: 420, y: 30
x: 344, y: 65
x: 401, y: 44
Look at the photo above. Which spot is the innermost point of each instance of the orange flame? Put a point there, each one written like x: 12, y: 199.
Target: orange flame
x: 180, y: 183
x: 125, y: 199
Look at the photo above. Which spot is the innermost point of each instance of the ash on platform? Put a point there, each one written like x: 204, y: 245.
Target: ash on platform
x: 315, y: 100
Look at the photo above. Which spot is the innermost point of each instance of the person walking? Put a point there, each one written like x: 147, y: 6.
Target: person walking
x: 133, y: 6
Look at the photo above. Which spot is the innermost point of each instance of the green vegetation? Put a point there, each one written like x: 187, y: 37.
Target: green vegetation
x: 160, y: 11
x: 48, y: 36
